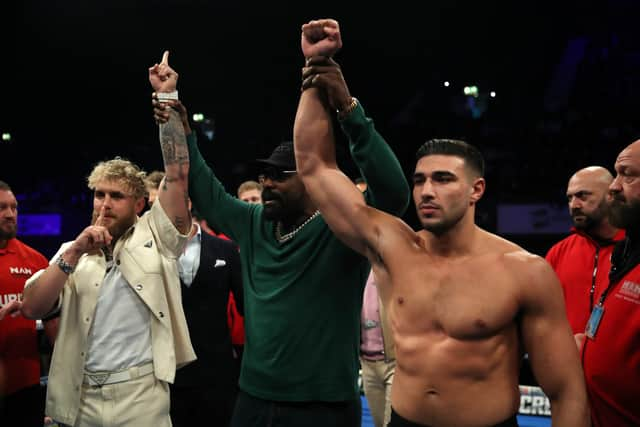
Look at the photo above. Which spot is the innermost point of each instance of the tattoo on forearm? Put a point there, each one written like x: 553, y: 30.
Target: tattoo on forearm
x: 175, y: 153
x: 173, y: 143
x: 182, y: 221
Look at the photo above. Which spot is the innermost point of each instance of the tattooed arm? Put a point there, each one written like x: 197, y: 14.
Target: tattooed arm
x: 173, y: 193
x: 174, y: 188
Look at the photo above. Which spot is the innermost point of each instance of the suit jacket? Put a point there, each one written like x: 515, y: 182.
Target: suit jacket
x: 205, y: 306
x: 146, y: 255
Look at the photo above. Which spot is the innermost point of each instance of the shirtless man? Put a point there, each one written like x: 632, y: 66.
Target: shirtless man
x: 464, y: 304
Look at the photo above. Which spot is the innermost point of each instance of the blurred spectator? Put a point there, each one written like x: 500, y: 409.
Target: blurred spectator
x: 152, y: 183
x: 583, y: 259
x: 250, y: 192
x: 205, y: 390
x: 20, y: 381
x: 377, y: 355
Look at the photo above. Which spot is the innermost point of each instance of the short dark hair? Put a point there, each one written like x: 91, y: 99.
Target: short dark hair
x: 454, y: 147
x: 4, y: 186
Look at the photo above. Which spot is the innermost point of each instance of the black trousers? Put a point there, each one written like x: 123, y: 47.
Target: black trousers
x: 253, y: 412
x: 397, y: 421
x: 202, y: 406
x: 24, y: 408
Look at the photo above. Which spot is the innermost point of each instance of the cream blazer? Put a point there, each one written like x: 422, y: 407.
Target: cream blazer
x: 146, y: 255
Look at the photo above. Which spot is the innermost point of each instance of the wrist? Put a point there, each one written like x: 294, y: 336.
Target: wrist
x: 72, y: 255
x: 167, y: 96
x: 347, y: 108
x: 65, y: 266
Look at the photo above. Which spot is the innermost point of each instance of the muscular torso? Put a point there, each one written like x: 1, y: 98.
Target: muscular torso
x: 454, y: 321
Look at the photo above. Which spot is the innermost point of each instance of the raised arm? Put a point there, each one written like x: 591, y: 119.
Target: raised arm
x: 224, y: 212
x: 339, y: 201
x: 173, y: 193
x: 549, y: 342
x: 387, y: 187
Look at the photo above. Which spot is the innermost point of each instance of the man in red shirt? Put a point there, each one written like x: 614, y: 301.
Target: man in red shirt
x: 611, y: 350
x: 582, y: 260
x: 24, y: 399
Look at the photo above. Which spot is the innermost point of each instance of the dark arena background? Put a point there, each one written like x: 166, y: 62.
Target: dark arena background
x: 565, y: 79
x: 542, y: 88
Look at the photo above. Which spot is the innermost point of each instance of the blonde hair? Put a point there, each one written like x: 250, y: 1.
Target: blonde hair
x: 154, y: 179
x: 119, y: 170
x: 249, y: 185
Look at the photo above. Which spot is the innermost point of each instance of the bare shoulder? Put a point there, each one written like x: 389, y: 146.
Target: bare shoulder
x: 527, y: 267
x: 532, y: 279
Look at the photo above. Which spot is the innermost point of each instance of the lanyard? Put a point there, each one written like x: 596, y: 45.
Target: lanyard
x: 592, y: 291
x: 612, y: 282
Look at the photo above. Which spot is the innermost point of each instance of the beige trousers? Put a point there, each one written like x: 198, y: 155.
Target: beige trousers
x: 140, y: 402
x: 377, y: 378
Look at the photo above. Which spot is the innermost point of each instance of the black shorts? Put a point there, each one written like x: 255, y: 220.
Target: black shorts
x: 253, y: 411
x: 397, y: 421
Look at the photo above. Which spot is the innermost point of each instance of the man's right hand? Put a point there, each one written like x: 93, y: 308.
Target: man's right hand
x: 162, y: 77
x: 92, y: 238
x: 320, y: 38
x: 14, y: 309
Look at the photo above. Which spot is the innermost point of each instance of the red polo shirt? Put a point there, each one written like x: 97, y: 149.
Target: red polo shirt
x: 579, y: 261
x: 18, y: 338
x: 611, y: 360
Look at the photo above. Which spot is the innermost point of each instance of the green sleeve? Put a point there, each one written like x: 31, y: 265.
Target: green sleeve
x: 387, y: 187
x: 223, y: 212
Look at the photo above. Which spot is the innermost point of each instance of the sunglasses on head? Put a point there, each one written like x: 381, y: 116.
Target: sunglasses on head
x: 274, y: 174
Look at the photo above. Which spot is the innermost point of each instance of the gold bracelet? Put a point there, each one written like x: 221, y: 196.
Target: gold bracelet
x: 342, y: 114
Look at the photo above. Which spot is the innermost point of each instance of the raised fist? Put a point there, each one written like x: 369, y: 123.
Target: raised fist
x: 321, y: 38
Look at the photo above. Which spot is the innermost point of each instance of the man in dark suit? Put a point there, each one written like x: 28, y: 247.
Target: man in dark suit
x: 205, y: 391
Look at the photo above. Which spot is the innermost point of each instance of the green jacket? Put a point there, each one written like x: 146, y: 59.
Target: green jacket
x: 303, y: 297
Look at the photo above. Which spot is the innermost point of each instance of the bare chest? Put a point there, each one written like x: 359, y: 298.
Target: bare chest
x: 464, y: 299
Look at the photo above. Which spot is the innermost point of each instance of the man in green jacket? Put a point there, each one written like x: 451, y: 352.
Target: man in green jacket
x: 303, y: 287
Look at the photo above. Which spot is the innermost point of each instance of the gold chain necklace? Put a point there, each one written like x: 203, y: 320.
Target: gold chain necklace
x: 283, y: 238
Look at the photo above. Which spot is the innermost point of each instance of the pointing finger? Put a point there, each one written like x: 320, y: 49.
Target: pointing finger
x: 107, y: 237
x: 100, y: 219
